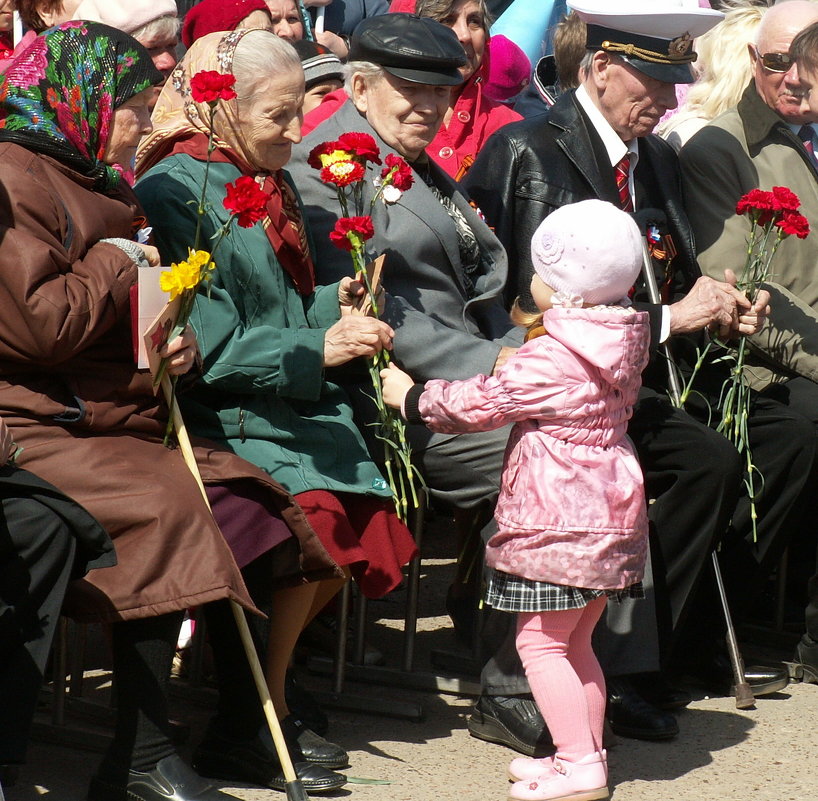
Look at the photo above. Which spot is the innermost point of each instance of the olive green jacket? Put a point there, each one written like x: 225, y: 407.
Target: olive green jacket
x: 746, y: 148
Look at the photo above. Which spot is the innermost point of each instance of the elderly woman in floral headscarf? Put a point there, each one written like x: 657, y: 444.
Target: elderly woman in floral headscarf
x: 73, y: 107
x: 266, y: 332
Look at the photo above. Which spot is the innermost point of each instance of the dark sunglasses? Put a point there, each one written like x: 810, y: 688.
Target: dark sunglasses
x: 775, y: 62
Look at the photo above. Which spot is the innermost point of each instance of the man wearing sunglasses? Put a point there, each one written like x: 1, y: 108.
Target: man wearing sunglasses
x: 768, y: 140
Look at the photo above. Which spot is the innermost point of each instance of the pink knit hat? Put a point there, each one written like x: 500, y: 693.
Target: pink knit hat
x: 509, y: 69
x: 125, y: 15
x: 210, y: 16
x: 591, y: 250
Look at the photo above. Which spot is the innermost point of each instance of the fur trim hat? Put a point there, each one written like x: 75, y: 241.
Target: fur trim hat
x: 591, y: 250
x: 125, y: 15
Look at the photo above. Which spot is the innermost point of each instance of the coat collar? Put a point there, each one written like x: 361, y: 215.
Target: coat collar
x: 760, y: 122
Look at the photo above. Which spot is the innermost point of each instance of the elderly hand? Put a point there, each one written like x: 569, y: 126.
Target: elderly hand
x: 395, y: 384
x: 750, y: 322
x: 354, y: 336
x: 7, y: 446
x: 181, y: 352
x: 334, y: 43
x: 352, y: 290
x: 709, y: 303
x: 151, y: 254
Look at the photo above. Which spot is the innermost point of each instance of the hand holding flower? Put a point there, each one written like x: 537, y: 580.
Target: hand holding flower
x: 6, y: 442
x: 352, y: 336
x: 396, y: 384
x: 181, y: 352
x: 151, y: 254
x: 749, y: 321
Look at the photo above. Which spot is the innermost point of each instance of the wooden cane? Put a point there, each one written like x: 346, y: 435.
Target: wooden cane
x: 744, y: 694
x: 294, y: 789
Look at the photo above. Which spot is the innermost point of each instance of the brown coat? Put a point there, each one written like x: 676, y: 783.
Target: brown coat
x: 86, y: 419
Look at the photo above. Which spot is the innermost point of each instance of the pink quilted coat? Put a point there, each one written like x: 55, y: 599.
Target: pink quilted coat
x: 572, y: 503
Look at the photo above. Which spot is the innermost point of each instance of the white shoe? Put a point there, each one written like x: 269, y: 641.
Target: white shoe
x: 583, y: 780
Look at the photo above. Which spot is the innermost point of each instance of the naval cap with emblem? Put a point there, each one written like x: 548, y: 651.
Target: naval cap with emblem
x: 414, y: 48
x: 653, y: 36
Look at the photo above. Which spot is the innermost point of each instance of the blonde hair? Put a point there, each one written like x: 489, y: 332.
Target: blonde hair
x: 531, y: 321
x: 725, y: 66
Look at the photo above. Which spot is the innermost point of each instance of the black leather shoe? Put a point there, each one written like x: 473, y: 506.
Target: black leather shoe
x: 514, y: 721
x: 252, y: 762
x: 630, y: 715
x: 805, y: 662
x: 306, y: 746
x: 170, y: 780
x: 658, y: 692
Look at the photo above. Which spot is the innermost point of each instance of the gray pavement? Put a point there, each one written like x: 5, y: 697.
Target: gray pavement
x: 769, y: 753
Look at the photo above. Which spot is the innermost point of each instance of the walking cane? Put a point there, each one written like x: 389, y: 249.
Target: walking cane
x: 744, y: 695
x: 293, y: 787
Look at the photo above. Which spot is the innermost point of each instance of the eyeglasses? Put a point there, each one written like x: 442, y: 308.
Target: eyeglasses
x: 775, y: 62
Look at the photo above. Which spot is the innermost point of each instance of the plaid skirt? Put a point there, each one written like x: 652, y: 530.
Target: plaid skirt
x: 509, y: 593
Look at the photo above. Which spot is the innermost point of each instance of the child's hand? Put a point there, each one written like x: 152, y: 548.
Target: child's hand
x: 396, y: 384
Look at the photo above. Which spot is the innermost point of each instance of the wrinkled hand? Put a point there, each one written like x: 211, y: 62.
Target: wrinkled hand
x: 352, y: 290
x: 502, y: 357
x: 7, y: 446
x: 396, y: 384
x: 750, y: 321
x: 710, y: 303
x: 354, y: 336
x: 151, y: 254
x: 180, y: 352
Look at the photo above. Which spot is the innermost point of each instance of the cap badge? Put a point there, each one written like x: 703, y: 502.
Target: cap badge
x: 680, y: 46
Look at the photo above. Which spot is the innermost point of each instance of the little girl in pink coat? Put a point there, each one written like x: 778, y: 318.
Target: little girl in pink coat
x: 571, y: 512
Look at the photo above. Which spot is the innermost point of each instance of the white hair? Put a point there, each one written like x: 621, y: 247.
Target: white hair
x: 259, y: 55
x: 369, y: 70
x: 164, y: 27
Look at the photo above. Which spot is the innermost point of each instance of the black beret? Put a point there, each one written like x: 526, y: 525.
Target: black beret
x: 417, y: 49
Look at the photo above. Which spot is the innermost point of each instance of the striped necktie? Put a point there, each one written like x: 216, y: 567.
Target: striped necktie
x: 806, y: 134
x: 622, y: 172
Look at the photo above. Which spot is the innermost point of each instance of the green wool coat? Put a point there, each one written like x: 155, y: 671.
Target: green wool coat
x: 262, y: 392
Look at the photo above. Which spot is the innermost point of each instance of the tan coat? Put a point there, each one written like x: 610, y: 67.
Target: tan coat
x: 746, y: 148
x: 86, y: 419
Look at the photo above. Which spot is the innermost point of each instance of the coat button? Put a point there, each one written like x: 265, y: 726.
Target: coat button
x: 445, y: 152
x: 463, y: 116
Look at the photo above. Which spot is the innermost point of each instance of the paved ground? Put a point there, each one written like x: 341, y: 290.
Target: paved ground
x: 722, y: 754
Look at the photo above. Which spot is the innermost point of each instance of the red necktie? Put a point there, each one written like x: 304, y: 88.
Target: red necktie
x: 622, y: 172
x: 805, y: 134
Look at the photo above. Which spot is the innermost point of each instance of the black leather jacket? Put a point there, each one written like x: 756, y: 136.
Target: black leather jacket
x: 529, y: 168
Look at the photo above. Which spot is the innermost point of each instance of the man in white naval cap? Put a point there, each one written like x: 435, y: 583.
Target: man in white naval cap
x: 769, y: 140
x: 596, y: 142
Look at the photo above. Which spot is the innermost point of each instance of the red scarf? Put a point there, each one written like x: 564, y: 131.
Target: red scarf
x: 284, y: 224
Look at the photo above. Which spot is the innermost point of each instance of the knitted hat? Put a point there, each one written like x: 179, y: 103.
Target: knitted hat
x: 589, y: 249
x: 319, y: 63
x: 509, y: 69
x: 210, y: 16
x: 125, y: 15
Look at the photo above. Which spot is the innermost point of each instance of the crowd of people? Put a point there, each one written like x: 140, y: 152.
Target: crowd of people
x: 548, y: 259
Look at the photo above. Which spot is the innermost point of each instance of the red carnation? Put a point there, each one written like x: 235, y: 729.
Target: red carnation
x: 756, y: 200
x: 208, y: 86
x: 349, y: 229
x: 343, y: 173
x: 246, y: 200
x: 314, y: 159
x: 361, y: 145
x: 794, y: 223
x: 785, y: 198
x: 402, y: 177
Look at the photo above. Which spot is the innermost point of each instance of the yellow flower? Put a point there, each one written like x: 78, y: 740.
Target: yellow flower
x: 186, y: 274
x: 331, y: 158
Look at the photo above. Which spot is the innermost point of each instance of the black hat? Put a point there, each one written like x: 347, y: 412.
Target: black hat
x: 653, y: 36
x: 417, y: 49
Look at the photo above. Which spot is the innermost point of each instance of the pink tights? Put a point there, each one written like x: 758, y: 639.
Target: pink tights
x: 565, y: 677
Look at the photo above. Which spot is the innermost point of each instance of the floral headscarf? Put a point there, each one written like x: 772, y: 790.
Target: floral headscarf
x: 58, y: 96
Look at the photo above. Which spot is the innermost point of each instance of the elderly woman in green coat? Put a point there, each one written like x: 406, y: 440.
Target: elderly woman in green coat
x: 265, y: 331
